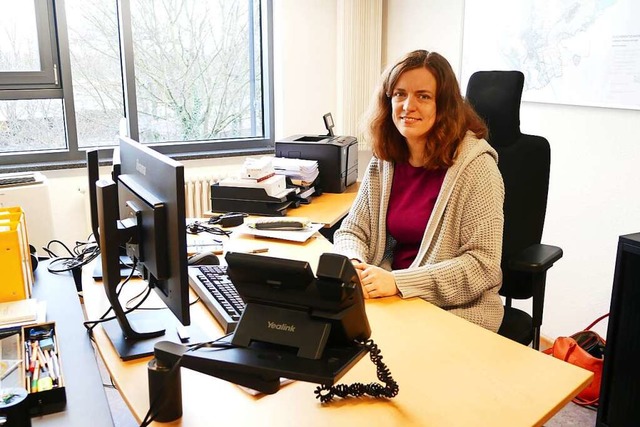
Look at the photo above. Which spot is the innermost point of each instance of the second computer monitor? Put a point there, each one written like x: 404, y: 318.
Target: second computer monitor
x: 145, y: 213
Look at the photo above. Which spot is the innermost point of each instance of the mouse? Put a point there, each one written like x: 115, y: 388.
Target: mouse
x: 203, y: 258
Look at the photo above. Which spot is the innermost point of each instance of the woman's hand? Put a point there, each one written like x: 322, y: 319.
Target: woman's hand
x: 376, y: 282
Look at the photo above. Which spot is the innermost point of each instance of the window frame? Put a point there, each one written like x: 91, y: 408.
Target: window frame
x: 47, y: 77
x: 74, y: 156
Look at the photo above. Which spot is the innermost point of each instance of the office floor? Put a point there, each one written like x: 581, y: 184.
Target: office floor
x: 571, y: 415
x: 119, y: 411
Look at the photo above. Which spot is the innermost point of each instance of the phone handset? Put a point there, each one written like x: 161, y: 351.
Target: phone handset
x: 337, y: 277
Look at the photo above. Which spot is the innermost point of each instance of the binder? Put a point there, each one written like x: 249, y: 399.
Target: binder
x: 244, y: 193
x: 254, y: 201
x: 251, y: 207
x: 15, y: 256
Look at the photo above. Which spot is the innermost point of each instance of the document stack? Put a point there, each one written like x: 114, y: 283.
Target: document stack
x: 302, y: 175
x: 258, y: 190
x: 15, y: 256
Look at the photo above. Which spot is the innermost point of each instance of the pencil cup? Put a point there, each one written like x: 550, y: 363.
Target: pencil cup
x: 165, y: 391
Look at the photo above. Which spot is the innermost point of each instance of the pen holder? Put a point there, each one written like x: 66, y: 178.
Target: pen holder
x: 165, y: 391
x: 43, y: 376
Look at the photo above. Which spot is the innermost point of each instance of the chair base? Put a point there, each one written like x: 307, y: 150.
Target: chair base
x: 517, y: 326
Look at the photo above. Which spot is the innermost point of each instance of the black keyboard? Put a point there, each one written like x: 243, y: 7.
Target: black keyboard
x: 219, y: 295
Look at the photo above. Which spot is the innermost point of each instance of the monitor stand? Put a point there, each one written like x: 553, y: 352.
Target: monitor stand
x: 129, y: 349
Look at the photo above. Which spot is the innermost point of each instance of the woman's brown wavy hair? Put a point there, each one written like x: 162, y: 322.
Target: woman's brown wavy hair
x: 454, y: 116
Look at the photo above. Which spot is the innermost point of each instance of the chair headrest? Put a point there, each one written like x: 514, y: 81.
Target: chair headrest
x: 496, y: 95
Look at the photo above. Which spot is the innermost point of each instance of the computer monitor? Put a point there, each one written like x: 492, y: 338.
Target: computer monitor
x: 93, y: 173
x: 145, y: 213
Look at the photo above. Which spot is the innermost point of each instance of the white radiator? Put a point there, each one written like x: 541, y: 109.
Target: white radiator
x: 198, y: 196
x: 33, y: 197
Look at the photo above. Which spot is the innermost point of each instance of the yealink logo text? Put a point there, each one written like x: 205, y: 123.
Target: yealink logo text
x: 281, y: 326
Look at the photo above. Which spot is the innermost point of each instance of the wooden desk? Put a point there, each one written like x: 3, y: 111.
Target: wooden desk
x: 450, y: 372
x: 328, y: 208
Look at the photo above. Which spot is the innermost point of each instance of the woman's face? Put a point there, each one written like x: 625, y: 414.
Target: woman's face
x: 413, y: 105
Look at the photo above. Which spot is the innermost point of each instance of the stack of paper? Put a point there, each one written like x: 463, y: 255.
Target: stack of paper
x: 302, y: 175
x: 257, y: 168
x: 274, y: 186
x: 300, y: 172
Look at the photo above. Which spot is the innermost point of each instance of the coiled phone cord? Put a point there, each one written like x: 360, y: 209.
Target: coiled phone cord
x: 326, y: 393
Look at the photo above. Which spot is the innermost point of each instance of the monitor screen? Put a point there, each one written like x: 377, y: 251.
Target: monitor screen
x: 144, y: 212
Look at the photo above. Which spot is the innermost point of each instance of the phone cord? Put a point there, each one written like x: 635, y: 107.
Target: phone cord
x: 390, y: 389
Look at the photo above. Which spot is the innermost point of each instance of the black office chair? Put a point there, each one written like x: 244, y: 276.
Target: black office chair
x: 524, y: 162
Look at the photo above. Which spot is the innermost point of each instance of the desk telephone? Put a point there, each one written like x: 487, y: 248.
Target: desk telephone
x: 295, y: 325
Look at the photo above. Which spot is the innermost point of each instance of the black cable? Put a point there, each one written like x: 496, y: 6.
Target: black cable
x: 197, y: 227
x: 126, y: 305
x: 229, y: 219
x: 326, y: 393
x: 82, y: 254
x: 91, y: 324
x: 145, y: 294
x: 103, y: 319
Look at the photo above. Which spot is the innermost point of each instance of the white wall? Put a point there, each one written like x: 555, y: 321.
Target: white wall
x: 593, y: 194
x: 594, y: 152
x: 305, y: 65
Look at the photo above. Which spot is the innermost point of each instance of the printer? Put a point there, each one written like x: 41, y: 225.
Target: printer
x: 337, y: 157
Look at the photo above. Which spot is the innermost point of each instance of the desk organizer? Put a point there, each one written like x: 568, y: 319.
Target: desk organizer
x: 43, y: 377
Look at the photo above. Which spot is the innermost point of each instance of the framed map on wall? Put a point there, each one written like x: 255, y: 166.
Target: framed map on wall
x: 576, y: 52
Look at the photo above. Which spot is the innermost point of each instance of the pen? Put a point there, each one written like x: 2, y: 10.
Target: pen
x: 50, y: 367
x: 27, y: 356
x: 34, y: 378
x: 57, y: 367
x: 34, y: 357
x: 41, y: 357
x: 258, y: 251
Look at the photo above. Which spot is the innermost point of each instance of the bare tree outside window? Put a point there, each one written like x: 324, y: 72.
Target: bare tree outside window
x: 193, y: 65
x: 30, y: 125
x: 97, y: 77
x: 19, y: 38
x: 197, y: 80
x: 33, y: 124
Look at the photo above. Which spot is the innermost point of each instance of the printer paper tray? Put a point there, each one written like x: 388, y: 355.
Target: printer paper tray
x: 250, y: 206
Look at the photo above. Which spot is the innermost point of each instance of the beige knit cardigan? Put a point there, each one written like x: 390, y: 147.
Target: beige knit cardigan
x: 458, y: 264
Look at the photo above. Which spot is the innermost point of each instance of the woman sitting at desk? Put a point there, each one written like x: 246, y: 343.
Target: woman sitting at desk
x: 427, y: 220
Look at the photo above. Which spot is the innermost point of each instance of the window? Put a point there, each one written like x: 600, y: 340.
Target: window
x: 191, y: 77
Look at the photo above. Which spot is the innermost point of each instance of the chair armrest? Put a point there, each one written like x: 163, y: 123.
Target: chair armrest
x: 535, y: 258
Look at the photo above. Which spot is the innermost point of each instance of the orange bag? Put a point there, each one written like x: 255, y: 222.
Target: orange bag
x: 586, y: 350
